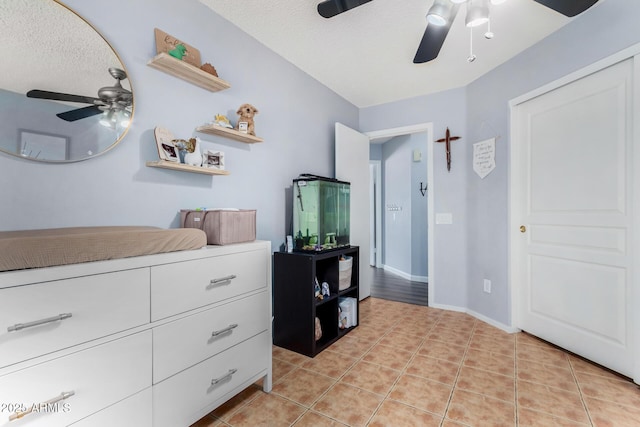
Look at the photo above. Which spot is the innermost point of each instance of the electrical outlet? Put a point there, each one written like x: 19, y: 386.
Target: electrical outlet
x: 487, y: 286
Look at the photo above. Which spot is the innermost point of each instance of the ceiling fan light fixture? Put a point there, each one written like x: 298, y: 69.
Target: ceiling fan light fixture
x: 477, y: 13
x: 125, y: 119
x: 109, y: 119
x: 440, y: 13
x: 494, y: 2
x: 458, y: 1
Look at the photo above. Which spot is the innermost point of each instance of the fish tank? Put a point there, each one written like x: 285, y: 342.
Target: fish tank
x: 321, y: 213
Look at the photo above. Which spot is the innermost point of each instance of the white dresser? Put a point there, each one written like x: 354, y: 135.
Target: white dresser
x: 158, y: 340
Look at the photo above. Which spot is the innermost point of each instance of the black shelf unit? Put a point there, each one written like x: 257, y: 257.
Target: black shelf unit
x: 295, y: 306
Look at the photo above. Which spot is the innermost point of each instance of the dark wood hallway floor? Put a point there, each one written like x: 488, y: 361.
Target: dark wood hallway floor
x: 392, y: 287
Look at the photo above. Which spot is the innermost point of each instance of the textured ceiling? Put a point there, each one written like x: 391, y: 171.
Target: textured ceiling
x: 46, y: 46
x: 366, y: 54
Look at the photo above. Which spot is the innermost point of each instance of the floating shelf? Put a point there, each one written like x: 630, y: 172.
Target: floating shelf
x: 186, y: 168
x: 175, y: 67
x: 229, y: 133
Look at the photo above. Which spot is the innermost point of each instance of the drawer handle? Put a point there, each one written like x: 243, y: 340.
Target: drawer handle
x: 223, y: 279
x: 19, y: 326
x: 222, y: 331
x: 224, y: 377
x: 62, y: 396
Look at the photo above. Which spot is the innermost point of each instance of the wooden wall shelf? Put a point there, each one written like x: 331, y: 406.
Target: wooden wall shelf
x: 170, y: 65
x: 229, y: 133
x: 186, y: 168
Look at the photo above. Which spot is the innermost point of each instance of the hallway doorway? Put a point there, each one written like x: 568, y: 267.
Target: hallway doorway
x: 400, y: 168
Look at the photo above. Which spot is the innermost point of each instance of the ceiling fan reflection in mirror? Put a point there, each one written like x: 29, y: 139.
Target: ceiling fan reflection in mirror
x: 443, y: 12
x: 112, y: 101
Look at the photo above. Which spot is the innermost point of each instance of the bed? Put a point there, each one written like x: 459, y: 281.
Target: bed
x: 27, y: 249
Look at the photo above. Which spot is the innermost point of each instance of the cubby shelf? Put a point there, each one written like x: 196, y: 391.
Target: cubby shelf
x: 229, y: 133
x: 185, y: 71
x: 295, y: 306
x: 186, y: 168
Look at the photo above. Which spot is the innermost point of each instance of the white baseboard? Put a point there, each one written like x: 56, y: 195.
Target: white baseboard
x: 422, y: 279
x: 506, y: 328
x: 449, y: 307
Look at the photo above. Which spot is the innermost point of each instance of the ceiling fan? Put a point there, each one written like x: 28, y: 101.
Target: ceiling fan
x: 445, y: 12
x: 110, y: 99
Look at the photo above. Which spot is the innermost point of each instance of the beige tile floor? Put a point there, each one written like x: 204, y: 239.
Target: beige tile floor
x: 408, y: 365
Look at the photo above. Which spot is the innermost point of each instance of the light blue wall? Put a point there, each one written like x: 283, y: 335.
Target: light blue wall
x: 442, y: 109
x: 397, y: 193
x: 607, y: 28
x: 404, y: 238
x: 475, y: 246
x: 296, y: 121
x: 419, y: 223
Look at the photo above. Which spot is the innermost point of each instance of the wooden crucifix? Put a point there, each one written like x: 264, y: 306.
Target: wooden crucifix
x: 447, y: 140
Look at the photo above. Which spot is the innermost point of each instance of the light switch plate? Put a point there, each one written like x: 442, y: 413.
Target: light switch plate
x: 444, y: 218
x: 417, y: 155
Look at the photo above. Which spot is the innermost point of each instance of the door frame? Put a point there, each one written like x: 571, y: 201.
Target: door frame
x: 408, y: 130
x: 515, y: 180
x: 376, y: 212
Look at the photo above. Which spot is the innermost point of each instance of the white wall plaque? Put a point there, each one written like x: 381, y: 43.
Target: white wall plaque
x: 484, y: 157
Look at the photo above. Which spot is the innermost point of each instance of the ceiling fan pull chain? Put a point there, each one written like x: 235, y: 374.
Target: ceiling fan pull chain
x: 489, y: 34
x: 471, y: 57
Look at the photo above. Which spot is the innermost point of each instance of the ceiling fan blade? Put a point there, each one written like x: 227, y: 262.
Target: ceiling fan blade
x: 433, y: 39
x: 56, y: 96
x: 80, y: 113
x: 568, y: 7
x: 330, y: 8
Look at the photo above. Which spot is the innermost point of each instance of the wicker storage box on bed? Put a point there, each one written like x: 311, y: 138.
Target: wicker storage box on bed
x: 222, y: 226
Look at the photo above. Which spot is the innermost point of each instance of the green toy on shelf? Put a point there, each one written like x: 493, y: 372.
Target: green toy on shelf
x: 179, y: 51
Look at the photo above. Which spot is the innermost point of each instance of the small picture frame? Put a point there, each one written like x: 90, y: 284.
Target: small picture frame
x: 213, y: 159
x: 243, y: 127
x: 166, y: 148
x: 169, y: 152
x: 43, y: 146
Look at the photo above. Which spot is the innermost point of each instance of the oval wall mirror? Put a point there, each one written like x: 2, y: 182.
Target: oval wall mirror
x: 64, y: 93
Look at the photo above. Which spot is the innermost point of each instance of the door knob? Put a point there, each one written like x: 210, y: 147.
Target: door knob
x: 523, y: 229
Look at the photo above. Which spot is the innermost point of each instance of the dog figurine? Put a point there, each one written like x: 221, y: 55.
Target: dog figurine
x: 246, y: 113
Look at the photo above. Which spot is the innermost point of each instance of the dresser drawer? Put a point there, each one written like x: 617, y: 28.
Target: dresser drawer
x: 98, y: 305
x: 99, y: 376
x: 185, y: 342
x: 184, y: 398
x: 183, y: 286
x: 134, y: 411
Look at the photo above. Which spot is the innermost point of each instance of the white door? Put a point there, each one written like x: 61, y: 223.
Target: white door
x: 571, y: 193
x: 352, y: 165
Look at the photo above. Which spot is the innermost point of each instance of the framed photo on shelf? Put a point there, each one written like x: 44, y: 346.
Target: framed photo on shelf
x: 43, y: 146
x: 213, y: 159
x: 243, y: 127
x: 166, y: 148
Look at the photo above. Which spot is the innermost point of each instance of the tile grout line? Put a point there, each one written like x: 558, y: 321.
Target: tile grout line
x: 388, y: 332
x: 515, y: 380
x: 575, y: 378
x: 402, y: 372
x: 455, y: 382
x: 336, y: 381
